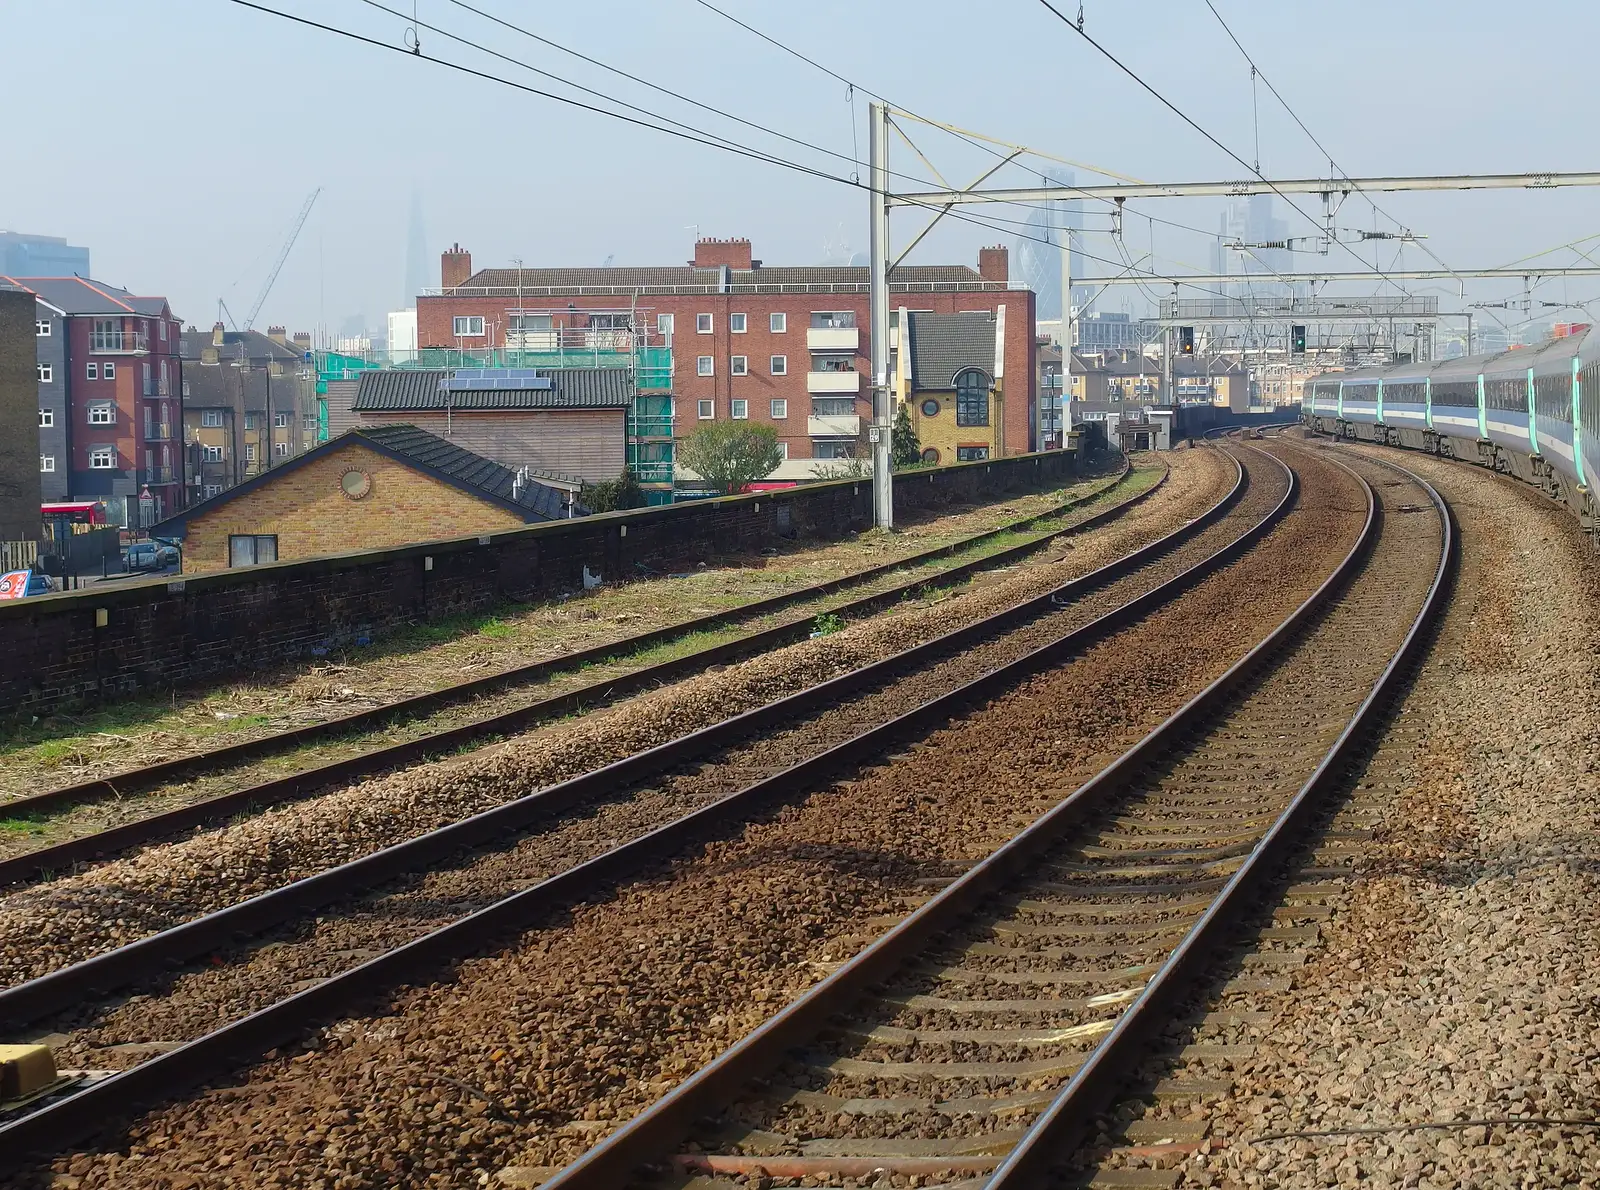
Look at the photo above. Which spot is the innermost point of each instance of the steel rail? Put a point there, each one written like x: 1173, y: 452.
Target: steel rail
x: 614, y: 1161
x: 89, y: 1110
x: 1093, y: 1089
x: 159, y: 952
x: 295, y: 786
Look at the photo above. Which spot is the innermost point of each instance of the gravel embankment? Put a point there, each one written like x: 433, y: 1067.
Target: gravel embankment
x: 1456, y: 982
x: 48, y: 926
x: 529, y: 1055
x: 233, y: 983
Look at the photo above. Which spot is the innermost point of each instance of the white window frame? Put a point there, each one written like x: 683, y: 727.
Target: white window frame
x: 778, y: 322
x: 783, y: 451
x: 281, y: 449
x: 249, y: 452
x: 210, y: 453
x: 107, y: 453
x: 163, y: 325
x: 778, y: 365
x: 46, y: 373
x: 704, y: 324
x: 280, y: 421
x: 739, y: 365
x: 738, y: 324
x: 779, y: 408
x: 47, y: 464
x: 705, y: 365
x: 461, y: 326
x: 706, y: 410
x: 213, y: 489
x: 109, y: 371
x: 739, y: 409
x: 664, y: 324
x: 102, y: 413
x: 211, y: 419
x: 47, y: 418
x: 41, y: 328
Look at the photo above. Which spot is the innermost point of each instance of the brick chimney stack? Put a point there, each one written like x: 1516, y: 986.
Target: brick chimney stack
x: 734, y: 254
x: 302, y: 341
x: 455, y: 266
x: 994, y: 264
x: 217, y: 331
x: 278, y: 334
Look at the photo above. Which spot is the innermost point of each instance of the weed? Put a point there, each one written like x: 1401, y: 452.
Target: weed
x: 495, y: 629
x: 826, y: 624
x: 31, y: 825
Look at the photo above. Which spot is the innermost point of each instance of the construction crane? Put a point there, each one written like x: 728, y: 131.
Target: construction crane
x: 283, y: 255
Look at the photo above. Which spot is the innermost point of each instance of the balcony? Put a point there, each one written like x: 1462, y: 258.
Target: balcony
x: 156, y: 475
x: 119, y: 342
x: 157, y: 433
x: 833, y: 338
x: 835, y: 426
x: 833, y: 382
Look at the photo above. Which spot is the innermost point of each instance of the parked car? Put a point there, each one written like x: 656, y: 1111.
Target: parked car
x: 19, y: 584
x: 149, y: 556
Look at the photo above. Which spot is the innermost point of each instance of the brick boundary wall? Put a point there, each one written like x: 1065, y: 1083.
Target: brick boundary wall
x: 113, y: 641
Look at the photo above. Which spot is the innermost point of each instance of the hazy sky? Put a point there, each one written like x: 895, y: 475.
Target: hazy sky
x: 178, y: 138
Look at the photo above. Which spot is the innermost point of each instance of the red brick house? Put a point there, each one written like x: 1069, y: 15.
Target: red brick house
x: 784, y: 346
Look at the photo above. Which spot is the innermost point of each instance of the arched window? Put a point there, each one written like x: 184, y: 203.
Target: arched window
x: 972, y: 398
x: 930, y: 455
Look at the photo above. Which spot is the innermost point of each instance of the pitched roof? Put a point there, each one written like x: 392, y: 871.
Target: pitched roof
x: 256, y: 345
x: 442, y: 459
x: 943, y: 345
x: 385, y: 390
x: 80, y: 295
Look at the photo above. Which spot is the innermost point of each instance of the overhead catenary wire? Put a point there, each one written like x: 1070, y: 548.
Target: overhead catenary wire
x: 683, y: 132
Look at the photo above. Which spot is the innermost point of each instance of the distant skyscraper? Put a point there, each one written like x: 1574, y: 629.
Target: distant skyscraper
x: 41, y: 256
x: 1039, y: 264
x: 1250, y: 221
x: 416, y: 254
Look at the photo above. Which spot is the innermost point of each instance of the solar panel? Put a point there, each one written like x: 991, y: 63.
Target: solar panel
x: 496, y: 380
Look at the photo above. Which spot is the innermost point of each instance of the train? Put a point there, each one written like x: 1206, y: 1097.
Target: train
x: 1530, y: 412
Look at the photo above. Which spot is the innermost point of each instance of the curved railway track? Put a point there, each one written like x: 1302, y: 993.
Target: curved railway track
x: 1042, y: 633
x: 976, y: 1042
x: 256, y: 795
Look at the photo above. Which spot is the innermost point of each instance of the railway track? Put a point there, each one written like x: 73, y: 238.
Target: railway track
x: 252, y: 795
x: 978, y: 1041
x: 1046, y: 631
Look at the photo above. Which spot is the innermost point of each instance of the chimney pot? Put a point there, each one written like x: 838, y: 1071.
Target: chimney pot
x: 217, y: 331
x: 455, y: 266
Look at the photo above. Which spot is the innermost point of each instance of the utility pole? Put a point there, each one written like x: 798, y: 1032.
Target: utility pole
x: 1166, y: 356
x: 1066, y: 323
x: 882, y: 398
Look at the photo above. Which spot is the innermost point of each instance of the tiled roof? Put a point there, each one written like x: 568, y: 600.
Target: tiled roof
x: 256, y: 345
x: 389, y: 390
x: 944, y: 344
x: 466, y: 470
x: 80, y: 295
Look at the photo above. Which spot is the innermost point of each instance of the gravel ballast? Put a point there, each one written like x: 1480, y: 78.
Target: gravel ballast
x: 529, y: 1055
x: 50, y: 925
x: 1455, y: 985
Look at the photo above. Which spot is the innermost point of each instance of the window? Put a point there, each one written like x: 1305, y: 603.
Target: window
x: 930, y: 455
x: 280, y: 420
x: 280, y: 448
x: 971, y: 454
x: 211, y: 454
x: 780, y: 408
x: 930, y: 408
x: 109, y: 371
x: 163, y: 325
x: 736, y: 324
x: 741, y: 365
x: 211, y: 418
x: 251, y: 550
x: 47, y: 373
x: 466, y: 326
x: 47, y: 418
x: 702, y: 324
x: 705, y: 410
x: 102, y: 413
x: 41, y: 327
x: 835, y: 450
x: 783, y: 451
x: 47, y: 462
x: 102, y: 458
x: 833, y: 319
x: 833, y: 363
x: 92, y: 371
x: 249, y: 452
x: 705, y: 365
x: 250, y: 420
x: 780, y: 365
x: 972, y: 398
x: 739, y: 410
x: 778, y: 324
x: 833, y: 406
x: 213, y: 489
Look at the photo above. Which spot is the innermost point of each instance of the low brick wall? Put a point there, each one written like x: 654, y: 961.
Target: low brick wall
x: 119, y: 639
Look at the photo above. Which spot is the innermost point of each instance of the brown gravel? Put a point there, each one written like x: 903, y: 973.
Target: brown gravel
x: 50, y: 925
x: 527, y: 1056
x: 1456, y: 980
